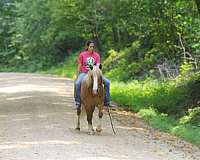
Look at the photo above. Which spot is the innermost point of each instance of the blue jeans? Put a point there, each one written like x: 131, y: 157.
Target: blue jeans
x: 77, y: 89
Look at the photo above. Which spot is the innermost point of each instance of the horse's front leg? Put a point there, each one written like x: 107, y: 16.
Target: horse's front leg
x: 78, y: 121
x: 99, y: 128
x: 89, y: 112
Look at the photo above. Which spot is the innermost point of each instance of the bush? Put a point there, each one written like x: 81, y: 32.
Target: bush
x: 171, y: 97
x: 128, y: 64
x: 193, y: 117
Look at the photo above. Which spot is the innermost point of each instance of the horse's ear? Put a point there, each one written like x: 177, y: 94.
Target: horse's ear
x: 91, y: 67
x: 100, y: 66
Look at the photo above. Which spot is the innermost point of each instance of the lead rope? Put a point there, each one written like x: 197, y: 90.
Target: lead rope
x: 111, y: 120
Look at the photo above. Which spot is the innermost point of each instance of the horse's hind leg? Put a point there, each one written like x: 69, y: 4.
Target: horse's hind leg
x: 78, y: 121
x: 99, y: 128
x: 89, y: 119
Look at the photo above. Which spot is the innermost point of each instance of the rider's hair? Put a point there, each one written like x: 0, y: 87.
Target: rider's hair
x: 88, y: 43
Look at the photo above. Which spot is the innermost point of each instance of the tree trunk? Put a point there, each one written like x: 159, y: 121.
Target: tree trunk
x: 96, y: 27
x: 98, y: 41
x: 198, y: 5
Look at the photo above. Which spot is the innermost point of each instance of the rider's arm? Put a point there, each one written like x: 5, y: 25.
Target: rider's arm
x: 79, y: 62
x: 98, y: 60
x: 78, y: 69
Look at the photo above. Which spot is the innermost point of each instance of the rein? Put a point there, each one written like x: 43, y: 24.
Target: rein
x: 111, y: 120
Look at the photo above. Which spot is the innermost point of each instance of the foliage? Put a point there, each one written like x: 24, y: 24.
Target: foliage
x: 128, y: 64
x: 192, y: 117
x: 186, y: 68
x: 66, y: 69
x: 45, y: 32
x: 171, y: 97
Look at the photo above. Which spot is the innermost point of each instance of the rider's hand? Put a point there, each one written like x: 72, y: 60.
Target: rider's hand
x: 74, y: 77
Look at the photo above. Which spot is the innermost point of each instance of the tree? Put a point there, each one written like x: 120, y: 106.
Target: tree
x: 198, y: 4
x: 39, y: 32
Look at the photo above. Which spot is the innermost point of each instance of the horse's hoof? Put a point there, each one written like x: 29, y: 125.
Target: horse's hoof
x: 91, y: 132
x: 77, y: 129
x: 98, y: 130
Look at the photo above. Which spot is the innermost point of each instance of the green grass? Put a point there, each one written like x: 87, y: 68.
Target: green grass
x: 138, y: 95
x: 147, y: 98
x: 66, y: 69
x: 168, y: 124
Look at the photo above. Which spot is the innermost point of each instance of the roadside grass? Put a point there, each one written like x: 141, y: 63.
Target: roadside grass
x: 66, y: 69
x: 144, y: 98
x: 168, y: 124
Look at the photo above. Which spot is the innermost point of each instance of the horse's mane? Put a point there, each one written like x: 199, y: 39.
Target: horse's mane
x: 90, y: 74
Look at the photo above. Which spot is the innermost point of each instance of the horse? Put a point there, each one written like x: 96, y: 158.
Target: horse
x: 92, y: 96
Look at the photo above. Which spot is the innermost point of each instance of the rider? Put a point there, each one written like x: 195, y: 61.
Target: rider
x: 87, y: 58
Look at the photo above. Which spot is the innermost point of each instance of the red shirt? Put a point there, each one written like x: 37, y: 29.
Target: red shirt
x: 86, y: 59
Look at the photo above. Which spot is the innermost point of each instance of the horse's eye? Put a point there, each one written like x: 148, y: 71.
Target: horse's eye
x: 100, y: 66
x: 91, y: 67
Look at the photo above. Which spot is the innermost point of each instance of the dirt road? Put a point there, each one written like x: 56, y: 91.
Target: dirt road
x: 37, y: 122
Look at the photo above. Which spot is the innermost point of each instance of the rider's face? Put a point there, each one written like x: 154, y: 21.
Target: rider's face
x: 91, y: 47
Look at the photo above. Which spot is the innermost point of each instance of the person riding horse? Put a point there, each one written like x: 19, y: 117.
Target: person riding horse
x: 86, y: 59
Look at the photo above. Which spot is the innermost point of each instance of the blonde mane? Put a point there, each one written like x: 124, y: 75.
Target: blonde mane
x: 90, y: 74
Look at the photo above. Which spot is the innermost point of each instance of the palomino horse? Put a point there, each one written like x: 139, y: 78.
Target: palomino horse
x: 92, y: 95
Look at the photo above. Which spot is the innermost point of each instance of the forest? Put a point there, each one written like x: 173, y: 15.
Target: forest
x: 150, y: 51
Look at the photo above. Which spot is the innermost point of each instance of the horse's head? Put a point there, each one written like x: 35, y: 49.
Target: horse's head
x: 95, y: 76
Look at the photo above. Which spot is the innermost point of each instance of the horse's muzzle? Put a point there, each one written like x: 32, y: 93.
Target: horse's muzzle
x: 95, y: 92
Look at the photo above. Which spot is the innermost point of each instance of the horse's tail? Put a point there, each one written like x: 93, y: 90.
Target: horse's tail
x: 83, y: 111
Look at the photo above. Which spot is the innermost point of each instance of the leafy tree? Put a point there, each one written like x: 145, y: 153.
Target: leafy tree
x: 42, y: 33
